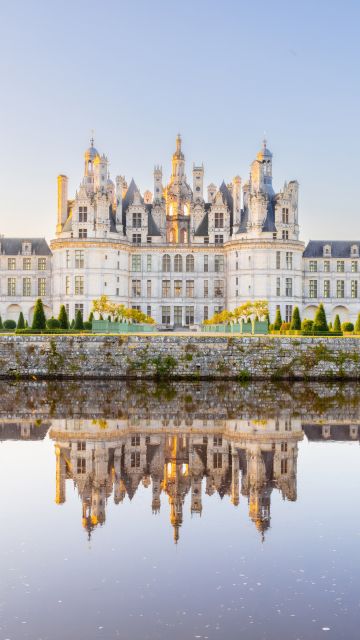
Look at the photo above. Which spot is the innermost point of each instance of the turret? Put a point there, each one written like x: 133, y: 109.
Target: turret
x: 261, y: 172
x: 198, y: 180
x: 90, y: 154
x: 158, y: 188
x: 62, y: 202
x: 178, y: 161
x: 236, y: 192
x: 100, y: 172
x: 119, y: 198
x: 211, y: 191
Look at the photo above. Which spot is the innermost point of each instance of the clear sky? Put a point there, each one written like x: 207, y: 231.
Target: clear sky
x: 222, y: 72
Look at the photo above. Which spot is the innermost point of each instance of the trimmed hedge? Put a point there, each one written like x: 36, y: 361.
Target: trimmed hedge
x: 49, y: 331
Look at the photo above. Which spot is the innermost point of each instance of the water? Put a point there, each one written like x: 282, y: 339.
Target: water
x: 218, y: 511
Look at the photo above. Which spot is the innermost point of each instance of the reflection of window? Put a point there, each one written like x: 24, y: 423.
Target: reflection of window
x: 284, y: 447
x: 217, y: 460
x: 135, y: 441
x: 217, y: 441
x: 135, y: 459
x: 284, y: 465
x: 81, y: 465
x: 81, y: 445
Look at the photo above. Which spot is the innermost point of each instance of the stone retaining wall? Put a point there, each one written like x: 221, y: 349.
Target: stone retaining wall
x: 172, y: 356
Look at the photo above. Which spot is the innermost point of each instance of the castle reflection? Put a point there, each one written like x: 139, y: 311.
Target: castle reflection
x: 180, y: 446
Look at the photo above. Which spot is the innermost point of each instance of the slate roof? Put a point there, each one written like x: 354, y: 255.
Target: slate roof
x: 13, y: 246
x: 153, y: 229
x: 203, y: 228
x: 337, y: 432
x: 244, y: 218
x: 339, y: 248
x: 269, y: 222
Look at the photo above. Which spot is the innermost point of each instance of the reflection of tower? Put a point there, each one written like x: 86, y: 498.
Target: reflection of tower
x: 60, y: 476
x: 156, y: 490
x: 176, y: 478
x: 196, y: 502
x: 235, y: 477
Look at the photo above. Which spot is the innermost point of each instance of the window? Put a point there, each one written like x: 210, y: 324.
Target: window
x: 278, y: 261
x: 206, y: 264
x: 41, y: 287
x: 135, y: 459
x: 326, y: 288
x: 79, y: 285
x: 136, y: 262
x: 165, y: 315
x: 206, y: 312
x: 11, y: 286
x: 284, y: 447
x: 219, y: 239
x: 274, y: 235
x: 148, y: 239
x: 82, y: 233
x: 313, y: 288
x: 288, y: 286
x: 217, y: 441
x: 278, y: 286
x: 284, y: 465
x: 136, y: 288
x: 136, y: 238
x: 79, y: 259
x: 313, y: 266
x: 26, y: 264
x: 177, y: 288
x: 218, y: 288
x: 288, y: 312
x: 136, y: 219
x: 327, y: 266
x: 189, y: 288
x: 12, y: 264
x: 206, y: 240
x: 135, y: 441
x: 285, y: 234
x: 217, y: 460
x: 354, y: 266
x: 67, y: 259
x: 148, y: 311
x: 206, y: 288
x: 219, y: 220
x: 79, y: 307
x: 340, y: 266
x: 219, y: 263
x: 285, y: 215
x: 166, y: 263
x: 354, y: 288
x: 178, y: 316
x: 82, y: 214
x: 81, y: 465
x: 148, y: 263
x: 137, y: 307
x: 165, y: 290
x: 148, y: 288
x: 189, y: 315
x: 327, y: 250
x: 178, y: 263
x: 189, y: 263
x: 26, y: 286
x: 81, y: 445
x: 340, y: 288
x: 42, y: 264
x: 289, y: 259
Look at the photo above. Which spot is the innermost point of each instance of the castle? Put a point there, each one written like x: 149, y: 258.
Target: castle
x: 178, y: 254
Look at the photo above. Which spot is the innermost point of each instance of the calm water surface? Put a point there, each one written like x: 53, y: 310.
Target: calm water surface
x: 218, y: 511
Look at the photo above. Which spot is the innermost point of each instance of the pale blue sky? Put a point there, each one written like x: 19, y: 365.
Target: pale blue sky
x: 220, y: 72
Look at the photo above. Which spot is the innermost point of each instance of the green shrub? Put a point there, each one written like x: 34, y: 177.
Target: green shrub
x: 320, y: 322
x: 91, y: 317
x: 53, y: 323
x: 9, y: 325
x: 357, y: 324
x: 63, y: 318
x: 278, y: 320
x: 337, y: 325
x: 330, y: 326
x: 295, y: 320
x: 321, y: 333
x: 307, y: 325
x: 21, y: 321
x: 39, y: 319
x: 79, y: 325
x: 87, y: 325
x: 347, y: 326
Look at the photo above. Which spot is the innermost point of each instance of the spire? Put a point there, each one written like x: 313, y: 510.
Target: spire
x: 178, y: 143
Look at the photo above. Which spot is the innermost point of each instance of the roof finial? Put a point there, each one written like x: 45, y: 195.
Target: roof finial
x: 178, y: 142
x: 264, y: 140
x: 92, y: 138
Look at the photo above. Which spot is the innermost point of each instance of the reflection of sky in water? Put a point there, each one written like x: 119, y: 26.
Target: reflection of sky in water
x: 220, y: 581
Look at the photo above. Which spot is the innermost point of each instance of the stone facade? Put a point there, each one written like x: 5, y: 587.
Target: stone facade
x: 180, y: 254
x: 171, y: 356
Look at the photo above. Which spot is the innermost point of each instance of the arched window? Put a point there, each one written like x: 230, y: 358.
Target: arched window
x: 166, y: 262
x: 178, y: 263
x: 189, y: 263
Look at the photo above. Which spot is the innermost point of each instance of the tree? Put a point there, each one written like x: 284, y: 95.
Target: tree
x: 357, y: 324
x: 79, y: 325
x: 337, y: 325
x: 21, y: 321
x: 9, y: 325
x: 278, y: 320
x: 91, y: 317
x: 1, y: 324
x: 320, y: 322
x: 63, y: 318
x: 295, y: 320
x: 39, y: 319
x: 72, y: 324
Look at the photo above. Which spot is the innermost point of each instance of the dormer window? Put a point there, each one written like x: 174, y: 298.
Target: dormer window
x: 327, y: 250
x: 82, y: 214
x: 354, y: 250
x: 136, y: 219
x: 26, y: 248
